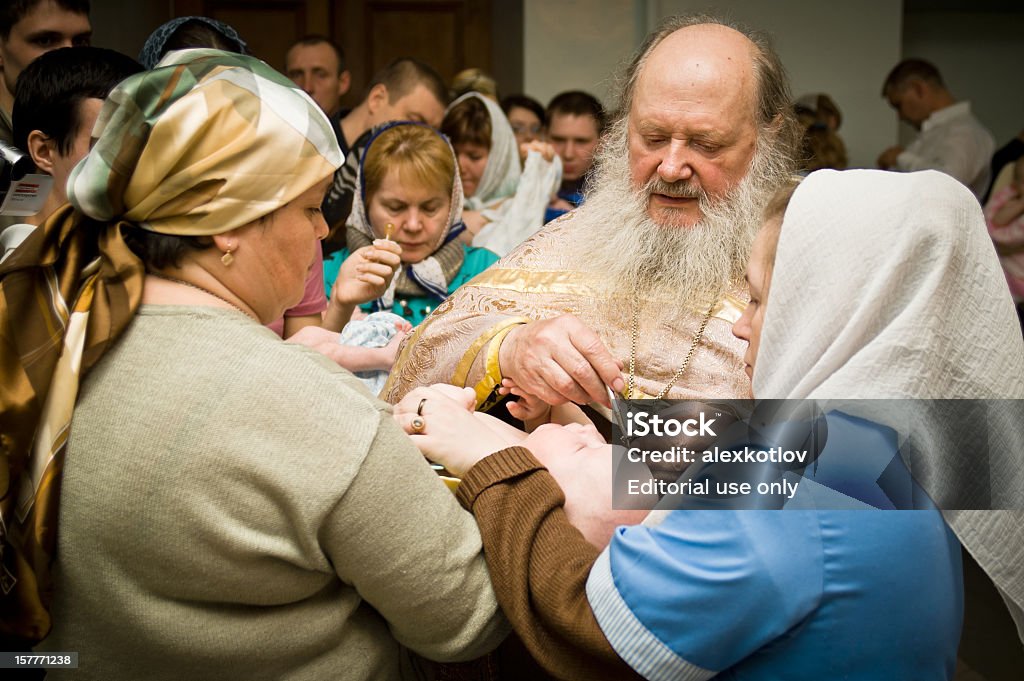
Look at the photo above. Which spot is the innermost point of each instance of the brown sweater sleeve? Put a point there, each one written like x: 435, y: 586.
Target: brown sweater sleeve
x: 539, y: 565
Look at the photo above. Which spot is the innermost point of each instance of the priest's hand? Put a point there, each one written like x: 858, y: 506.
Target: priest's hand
x: 560, y: 360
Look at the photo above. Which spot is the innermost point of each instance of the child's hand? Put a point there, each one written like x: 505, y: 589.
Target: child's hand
x: 528, y: 408
x: 389, y: 353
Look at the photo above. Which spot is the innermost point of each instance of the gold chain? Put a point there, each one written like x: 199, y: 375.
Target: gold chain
x: 682, y: 367
x: 207, y: 291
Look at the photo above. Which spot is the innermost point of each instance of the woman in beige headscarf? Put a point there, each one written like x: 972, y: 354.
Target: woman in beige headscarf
x: 230, y: 505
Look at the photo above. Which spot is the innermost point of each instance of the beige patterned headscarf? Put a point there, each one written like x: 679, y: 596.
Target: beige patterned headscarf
x: 206, y: 142
x: 194, y: 147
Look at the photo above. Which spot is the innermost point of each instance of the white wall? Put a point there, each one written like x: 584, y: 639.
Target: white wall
x: 844, y: 49
x: 577, y: 45
x: 981, y: 58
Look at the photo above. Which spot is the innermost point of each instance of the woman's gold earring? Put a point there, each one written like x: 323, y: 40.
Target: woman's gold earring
x: 227, y: 258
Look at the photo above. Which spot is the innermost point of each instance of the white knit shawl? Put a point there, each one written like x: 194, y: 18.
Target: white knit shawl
x: 887, y: 286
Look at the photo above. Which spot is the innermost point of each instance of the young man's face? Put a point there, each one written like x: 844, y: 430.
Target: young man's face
x: 575, y: 140
x: 47, y: 26
x: 315, y: 69
x: 420, y: 105
x: 909, y: 102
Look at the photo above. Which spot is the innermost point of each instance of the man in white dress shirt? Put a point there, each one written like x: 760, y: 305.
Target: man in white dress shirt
x: 951, y: 139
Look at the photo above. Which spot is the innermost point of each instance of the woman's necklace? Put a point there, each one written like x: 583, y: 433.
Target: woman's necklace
x: 158, y: 275
x: 679, y: 372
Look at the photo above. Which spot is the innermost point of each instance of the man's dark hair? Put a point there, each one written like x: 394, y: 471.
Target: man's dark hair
x: 468, y: 122
x: 523, y: 102
x: 51, y: 88
x: 912, y: 69
x: 402, y: 76
x: 314, y: 39
x: 576, y: 103
x: 13, y: 11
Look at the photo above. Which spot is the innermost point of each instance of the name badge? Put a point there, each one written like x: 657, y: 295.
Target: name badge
x: 26, y: 196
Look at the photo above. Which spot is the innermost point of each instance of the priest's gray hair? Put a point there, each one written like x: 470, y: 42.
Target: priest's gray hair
x: 776, y: 118
x: 689, y: 265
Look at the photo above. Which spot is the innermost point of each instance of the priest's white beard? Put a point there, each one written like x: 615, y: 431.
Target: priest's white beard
x: 693, y: 266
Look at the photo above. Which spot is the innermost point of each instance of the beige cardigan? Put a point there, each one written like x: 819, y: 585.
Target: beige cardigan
x: 237, y: 507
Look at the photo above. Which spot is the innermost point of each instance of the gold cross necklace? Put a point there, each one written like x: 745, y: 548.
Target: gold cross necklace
x: 682, y: 367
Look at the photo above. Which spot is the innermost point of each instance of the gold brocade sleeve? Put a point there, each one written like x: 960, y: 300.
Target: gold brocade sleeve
x: 544, y: 278
x: 425, y: 355
x: 485, y: 395
x: 496, y: 332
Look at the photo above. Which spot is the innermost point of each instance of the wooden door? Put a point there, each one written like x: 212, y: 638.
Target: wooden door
x: 450, y: 35
x: 268, y: 26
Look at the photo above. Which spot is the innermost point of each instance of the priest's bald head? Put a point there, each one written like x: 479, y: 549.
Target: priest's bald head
x: 703, y: 136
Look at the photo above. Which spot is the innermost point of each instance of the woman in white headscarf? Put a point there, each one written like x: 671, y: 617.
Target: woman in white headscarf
x: 887, y: 287
x: 504, y: 204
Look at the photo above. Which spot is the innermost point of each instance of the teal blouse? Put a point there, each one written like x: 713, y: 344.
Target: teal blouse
x: 416, y: 308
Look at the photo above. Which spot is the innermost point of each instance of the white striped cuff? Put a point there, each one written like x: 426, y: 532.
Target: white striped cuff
x: 633, y: 642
